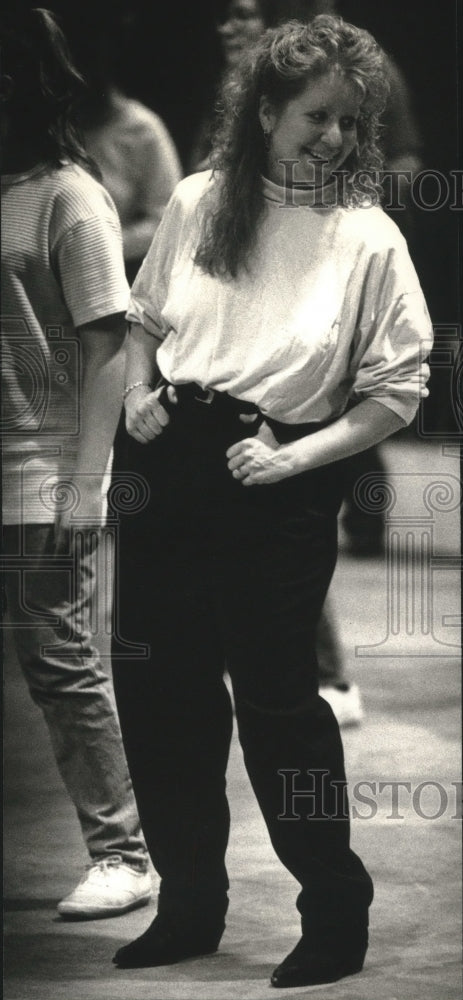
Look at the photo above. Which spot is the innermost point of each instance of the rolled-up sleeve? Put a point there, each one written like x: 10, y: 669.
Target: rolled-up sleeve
x: 393, y: 338
x: 150, y: 288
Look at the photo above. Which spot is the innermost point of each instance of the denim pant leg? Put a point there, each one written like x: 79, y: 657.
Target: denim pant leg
x: 49, y: 602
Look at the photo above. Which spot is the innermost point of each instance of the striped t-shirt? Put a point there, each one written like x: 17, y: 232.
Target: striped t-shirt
x: 62, y: 267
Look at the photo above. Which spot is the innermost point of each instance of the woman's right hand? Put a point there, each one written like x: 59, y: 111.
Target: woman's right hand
x: 145, y: 416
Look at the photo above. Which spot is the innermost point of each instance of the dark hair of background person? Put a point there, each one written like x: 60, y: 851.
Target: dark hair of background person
x: 40, y: 88
x: 274, y: 12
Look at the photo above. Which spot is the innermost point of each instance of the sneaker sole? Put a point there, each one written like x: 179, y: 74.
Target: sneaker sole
x: 95, y: 913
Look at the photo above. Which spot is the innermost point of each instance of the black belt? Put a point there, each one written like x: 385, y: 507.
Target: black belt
x: 205, y: 400
x: 204, y: 403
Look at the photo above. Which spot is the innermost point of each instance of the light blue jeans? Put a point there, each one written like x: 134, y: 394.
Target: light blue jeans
x: 49, y: 603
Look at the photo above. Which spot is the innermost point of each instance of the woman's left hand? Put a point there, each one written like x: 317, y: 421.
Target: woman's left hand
x: 259, y: 460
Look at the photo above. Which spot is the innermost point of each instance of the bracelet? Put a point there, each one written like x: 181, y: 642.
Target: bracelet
x: 134, y: 385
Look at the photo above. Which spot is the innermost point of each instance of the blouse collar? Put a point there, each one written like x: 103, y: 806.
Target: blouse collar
x: 322, y: 197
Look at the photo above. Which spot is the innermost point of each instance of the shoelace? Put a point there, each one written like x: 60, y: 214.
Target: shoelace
x: 100, y: 868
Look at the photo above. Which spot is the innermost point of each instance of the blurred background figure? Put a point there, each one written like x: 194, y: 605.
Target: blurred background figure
x: 242, y: 23
x: 134, y: 151
x: 138, y: 163
x: 64, y: 294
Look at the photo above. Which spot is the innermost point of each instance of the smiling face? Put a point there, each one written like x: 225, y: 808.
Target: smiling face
x: 318, y: 129
x: 242, y: 26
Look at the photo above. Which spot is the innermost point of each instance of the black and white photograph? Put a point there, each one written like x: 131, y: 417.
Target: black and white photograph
x: 231, y: 330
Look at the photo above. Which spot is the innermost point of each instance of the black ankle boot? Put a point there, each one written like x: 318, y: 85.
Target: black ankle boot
x: 314, y: 961
x: 163, y: 944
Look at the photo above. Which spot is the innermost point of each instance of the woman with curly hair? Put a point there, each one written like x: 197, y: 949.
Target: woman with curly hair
x: 279, y: 312
x: 242, y: 23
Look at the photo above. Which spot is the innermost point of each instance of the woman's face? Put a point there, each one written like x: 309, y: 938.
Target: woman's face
x: 243, y: 25
x: 317, y: 129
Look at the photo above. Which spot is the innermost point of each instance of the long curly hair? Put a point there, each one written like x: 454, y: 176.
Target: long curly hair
x: 279, y: 67
x: 42, y: 86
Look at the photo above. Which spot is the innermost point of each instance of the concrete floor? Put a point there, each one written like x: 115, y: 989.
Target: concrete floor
x: 411, y: 733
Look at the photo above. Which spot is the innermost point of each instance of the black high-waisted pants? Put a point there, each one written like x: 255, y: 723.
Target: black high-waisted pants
x: 213, y: 572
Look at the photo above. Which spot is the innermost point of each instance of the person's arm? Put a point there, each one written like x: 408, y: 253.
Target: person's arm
x: 388, y: 371
x: 158, y: 172
x: 145, y: 417
x: 260, y: 460
x: 137, y: 236
x: 103, y: 358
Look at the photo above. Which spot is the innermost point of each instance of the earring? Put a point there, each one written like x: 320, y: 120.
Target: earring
x: 267, y: 137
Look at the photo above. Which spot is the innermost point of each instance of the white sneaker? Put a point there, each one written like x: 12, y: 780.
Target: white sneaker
x: 346, y: 702
x: 108, y: 888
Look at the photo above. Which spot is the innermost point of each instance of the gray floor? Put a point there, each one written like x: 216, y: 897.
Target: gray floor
x: 410, y: 681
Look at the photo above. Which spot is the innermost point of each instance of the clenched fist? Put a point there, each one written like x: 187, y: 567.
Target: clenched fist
x: 145, y: 416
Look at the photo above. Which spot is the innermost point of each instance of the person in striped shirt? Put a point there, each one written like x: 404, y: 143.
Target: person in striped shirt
x: 64, y: 294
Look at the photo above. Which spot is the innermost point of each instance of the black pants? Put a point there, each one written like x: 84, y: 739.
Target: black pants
x: 212, y: 572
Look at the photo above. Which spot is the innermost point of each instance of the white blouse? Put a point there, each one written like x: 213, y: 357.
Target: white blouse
x: 330, y: 311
